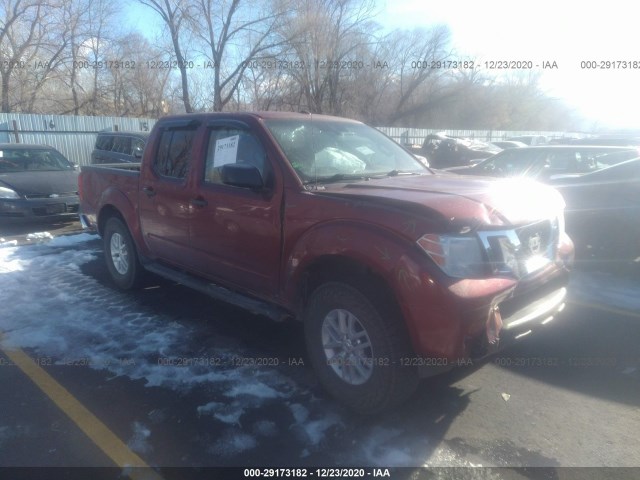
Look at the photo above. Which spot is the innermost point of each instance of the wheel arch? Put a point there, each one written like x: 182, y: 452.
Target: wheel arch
x: 344, y: 269
x: 114, y: 203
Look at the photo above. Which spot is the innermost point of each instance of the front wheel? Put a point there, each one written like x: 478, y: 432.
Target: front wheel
x: 357, y: 349
x: 120, y: 255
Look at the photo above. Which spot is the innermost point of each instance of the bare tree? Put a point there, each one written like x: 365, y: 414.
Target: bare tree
x: 419, y: 83
x: 20, y: 31
x: 132, y: 89
x: 175, y: 14
x: 90, y: 28
x: 235, y: 32
x: 327, y: 35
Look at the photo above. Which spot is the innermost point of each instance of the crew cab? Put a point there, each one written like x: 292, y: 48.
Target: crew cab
x: 396, y: 271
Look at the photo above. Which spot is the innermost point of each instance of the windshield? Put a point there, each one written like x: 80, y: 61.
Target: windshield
x: 37, y: 159
x: 326, y: 150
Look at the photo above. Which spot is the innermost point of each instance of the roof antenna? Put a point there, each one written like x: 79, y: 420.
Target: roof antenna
x: 313, y: 152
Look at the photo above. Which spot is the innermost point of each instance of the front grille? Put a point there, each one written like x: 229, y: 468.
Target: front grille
x: 535, y: 239
x: 523, y: 250
x: 55, y: 209
x: 33, y: 196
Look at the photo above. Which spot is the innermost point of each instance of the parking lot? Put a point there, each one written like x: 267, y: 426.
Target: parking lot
x: 182, y: 381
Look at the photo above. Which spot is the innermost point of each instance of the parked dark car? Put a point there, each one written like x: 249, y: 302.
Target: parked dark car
x: 443, y: 151
x: 603, y: 211
x: 601, y: 187
x: 36, y: 181
x: 613, y: 140
x: 545, y: 162
x: 119, y: 147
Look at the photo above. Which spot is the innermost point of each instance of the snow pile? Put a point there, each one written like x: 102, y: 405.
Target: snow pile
x: 8, y: 261
x: 8, y: 243
x: 39, y: 237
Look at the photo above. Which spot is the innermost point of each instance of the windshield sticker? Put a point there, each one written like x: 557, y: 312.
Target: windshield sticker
x: 226, y: 151
x: 1, y: 154
x: 365, y: 150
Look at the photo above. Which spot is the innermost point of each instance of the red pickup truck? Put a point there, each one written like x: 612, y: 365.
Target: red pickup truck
x: 397, y: 271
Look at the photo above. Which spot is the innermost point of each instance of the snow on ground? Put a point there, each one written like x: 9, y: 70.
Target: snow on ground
x: 139, y: 441
x: 51, y: 308
x: 54, y: 310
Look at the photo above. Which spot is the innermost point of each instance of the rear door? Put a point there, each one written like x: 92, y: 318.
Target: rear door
x: 164, y: 199
x: 236, y: 232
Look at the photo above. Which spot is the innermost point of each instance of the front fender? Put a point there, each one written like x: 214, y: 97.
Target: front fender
x: 394, y: 259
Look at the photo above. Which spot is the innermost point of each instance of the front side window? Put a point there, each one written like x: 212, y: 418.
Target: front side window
x: 122, y: 145
x: 232, y: 145
x: 174, y: 153
x: 137, y: 146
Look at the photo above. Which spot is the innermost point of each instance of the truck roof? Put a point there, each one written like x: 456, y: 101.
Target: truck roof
x: 258, y: 114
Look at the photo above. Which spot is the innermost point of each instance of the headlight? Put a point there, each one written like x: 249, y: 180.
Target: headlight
x: 8, y: 193
x: 459, y: 257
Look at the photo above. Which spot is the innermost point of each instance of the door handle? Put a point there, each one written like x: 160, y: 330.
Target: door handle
x: 198, y: 202
x: 149, y: 191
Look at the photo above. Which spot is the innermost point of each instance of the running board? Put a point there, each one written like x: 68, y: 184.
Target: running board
x: 217, y: 292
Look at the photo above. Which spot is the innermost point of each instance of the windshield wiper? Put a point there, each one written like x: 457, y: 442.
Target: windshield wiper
x: 338, y: 177
x: 395, y: 173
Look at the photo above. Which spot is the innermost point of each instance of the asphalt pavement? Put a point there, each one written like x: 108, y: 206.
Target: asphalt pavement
x: 568, y: 397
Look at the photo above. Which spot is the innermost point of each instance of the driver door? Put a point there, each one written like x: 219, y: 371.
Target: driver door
x: 236, y: 232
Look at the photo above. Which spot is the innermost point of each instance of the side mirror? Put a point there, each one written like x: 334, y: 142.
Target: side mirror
x: 137, y: 154
x: 242, y: 175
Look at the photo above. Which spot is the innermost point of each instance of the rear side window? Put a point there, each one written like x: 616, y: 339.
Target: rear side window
x: 104, y: 142
x: 174, y: 153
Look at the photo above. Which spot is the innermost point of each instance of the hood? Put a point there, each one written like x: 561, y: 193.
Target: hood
x: 460, y: 201
x: 41, y: 183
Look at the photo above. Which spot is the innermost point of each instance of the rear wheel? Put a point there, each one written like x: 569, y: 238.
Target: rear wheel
x: 357, y: 349
x: 120, y: 255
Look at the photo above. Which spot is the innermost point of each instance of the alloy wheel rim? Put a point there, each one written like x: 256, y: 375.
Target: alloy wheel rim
x: 119, y: 254
x: 347, y: 347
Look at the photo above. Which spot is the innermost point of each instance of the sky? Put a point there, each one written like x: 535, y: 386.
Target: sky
x: 565, y: 32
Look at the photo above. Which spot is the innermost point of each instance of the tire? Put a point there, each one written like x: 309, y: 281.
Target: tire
x: 120, y: 255
x: 362, y: 369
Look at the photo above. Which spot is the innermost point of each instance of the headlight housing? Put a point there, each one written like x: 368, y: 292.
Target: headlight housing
x: 457, y: 256
x: 8, y: 193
